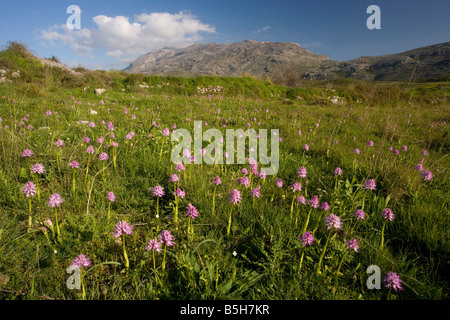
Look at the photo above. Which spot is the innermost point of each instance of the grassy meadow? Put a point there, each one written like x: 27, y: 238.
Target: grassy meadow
x: 270, y: 238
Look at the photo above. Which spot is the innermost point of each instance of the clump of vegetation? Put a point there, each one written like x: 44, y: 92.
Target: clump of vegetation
x: 88, y: 182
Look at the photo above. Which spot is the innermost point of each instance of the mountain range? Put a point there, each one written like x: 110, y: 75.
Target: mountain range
x: 282, y: 60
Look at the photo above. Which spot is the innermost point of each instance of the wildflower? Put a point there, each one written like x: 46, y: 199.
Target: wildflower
x: 301, y: 200
x: 27, y: 153
x: 245, y: 181
x: 90, y: 150
x: 29, y: 189
x: 55, y: 200
x: 48, y: 223
x: 180, y: 167
x: 388, y: 214
x: 153, y: 244
x: 179, y: 193
x: 59, y: 143
x: 103, y: 156
x: 425, y: 153
x: 370, y: 184
x: 217, y: 181
x: 338, y: 171
x: 370, y: 143
x: 314, y: 202
x: 357, y: 151
x: 279, y: 183
x: 87, y: 139
x: 235, y: 196
x: 393, y: 281
x: 158, y: 191
x: 254, y: 168
x: 419, y: 167
x: 100, y: 139
x: 333, y: 221
x: 122, y: 227
x: 37, y: 168
x: 325, y: 206
x: 91, y: 124
x: 256, y: 192
x: 396, y: 152
x: 74, y: 164
x: 427, y: 175
x: 166, y: 238
x: 405, y: 148
x: 110, y: 126
x: 306, y: 147
x: 81, y: 261
x: 166, y: 132
x: 174, y: 178
x: 296, y: 187
x: 302, y: 172
x: 111, y: 196
x: 262, y: 174
x: 48, y: 113
x: 191, y: 211
x: 359, y: 214
x: 353, y: 244
x: 307, y: 238
x: 244, y: 171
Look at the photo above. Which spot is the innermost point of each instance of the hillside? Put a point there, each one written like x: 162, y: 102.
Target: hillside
x: 277, y: 60
x: 234, y: 59
x: 425, y: 62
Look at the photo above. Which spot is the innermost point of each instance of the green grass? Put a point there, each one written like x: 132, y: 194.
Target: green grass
x: 261, y: 256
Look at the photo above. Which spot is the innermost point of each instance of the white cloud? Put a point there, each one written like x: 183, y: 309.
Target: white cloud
x: 124, y: 39
x: 263, y: 29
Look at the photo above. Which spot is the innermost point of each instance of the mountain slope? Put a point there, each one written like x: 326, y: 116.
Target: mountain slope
x: 418, y: 63
x: 269, y: 59
x: 235, y: 59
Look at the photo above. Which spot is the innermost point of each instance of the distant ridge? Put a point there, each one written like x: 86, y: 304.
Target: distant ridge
x: 277, y: 59
x: 235, y: 59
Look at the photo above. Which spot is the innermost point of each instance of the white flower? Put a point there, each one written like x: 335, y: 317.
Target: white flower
x: 234, y: 253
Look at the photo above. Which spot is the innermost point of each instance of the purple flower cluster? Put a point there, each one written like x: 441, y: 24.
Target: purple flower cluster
x: 55, y: 200
x: 81, y: 261
x: 122, y: 227
x: 29, y: 189
x: 333, y: 221
x: 370, y: 184
x: 302, y: 173
x: 235, y: 196
x: 191, y: 211
x: 388, y: 214
x: 158, y: 191
x: 307, y: 239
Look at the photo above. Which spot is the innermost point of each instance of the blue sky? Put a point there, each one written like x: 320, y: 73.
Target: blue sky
x: 113, y: 33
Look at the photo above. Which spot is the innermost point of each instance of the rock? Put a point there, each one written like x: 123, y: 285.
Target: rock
x: 99, y: 92
x: 54, y: 64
